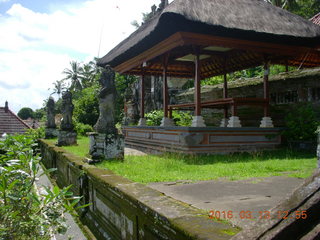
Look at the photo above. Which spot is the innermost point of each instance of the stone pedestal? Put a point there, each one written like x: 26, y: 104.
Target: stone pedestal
x: 266, y: 122
x: 197, y: 121
x: 166, y: 122
x: 51, y: 133
x: 234, y: 121
x: 224, y: 122
x: 67, y: 138
x: 106, y: 146
x: 142, y: 122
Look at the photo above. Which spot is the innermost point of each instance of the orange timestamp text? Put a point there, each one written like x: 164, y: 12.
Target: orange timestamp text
x: 259, y: 214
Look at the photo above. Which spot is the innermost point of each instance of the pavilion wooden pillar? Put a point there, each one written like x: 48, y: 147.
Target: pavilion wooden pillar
x: 266, y: 120
x: 197, y: 120
x: 224, y: 121
x: 166, y: 121
x: 142, y: 120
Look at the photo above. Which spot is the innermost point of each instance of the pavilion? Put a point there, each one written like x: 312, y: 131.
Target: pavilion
x: 204, y: 38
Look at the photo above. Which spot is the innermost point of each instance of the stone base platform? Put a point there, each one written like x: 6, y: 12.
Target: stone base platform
x: 66, y: 138
x: 201, y: 140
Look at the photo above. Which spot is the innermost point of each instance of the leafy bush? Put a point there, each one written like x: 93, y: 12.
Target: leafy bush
x: 180, y: 118
x: 301, y: 124
x: 25, y: 213
x: 25, y: 113
x: 83, y: 129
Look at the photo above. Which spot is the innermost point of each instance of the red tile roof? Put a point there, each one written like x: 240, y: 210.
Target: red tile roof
x: 316, y: 19
x: 10, y: 123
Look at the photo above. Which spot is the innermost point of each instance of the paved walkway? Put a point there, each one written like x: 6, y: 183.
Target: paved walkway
x: 240, y: 198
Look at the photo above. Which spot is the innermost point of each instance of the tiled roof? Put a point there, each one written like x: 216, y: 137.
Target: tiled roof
x: 316, y: 19
x: 10, y: 123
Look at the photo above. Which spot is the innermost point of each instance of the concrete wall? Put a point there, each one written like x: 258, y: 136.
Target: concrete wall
x: 121, y: 209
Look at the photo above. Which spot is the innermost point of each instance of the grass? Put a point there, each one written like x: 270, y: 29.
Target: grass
x: 82, y: 149
x: 173, y: 167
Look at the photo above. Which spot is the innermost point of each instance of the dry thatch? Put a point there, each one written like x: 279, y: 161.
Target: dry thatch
x: 245, y: 19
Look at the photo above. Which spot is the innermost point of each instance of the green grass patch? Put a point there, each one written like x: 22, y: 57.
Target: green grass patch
x: 173, y: 167
x: 82, y: 149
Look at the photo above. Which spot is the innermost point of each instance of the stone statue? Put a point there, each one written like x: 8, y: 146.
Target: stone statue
x: 162, y: 5
x: 67, y: 111
x: 50, y: 114
x: 107, y: 96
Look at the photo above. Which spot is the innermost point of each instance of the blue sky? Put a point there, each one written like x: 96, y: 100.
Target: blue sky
x: 43, y: 6
x: 38, y: 39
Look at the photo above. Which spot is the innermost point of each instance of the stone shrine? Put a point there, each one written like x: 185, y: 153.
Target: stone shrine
x: 106, y: 143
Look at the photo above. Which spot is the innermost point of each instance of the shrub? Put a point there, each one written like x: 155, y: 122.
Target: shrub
x: 83, y: 129
x: 301, y: 124
x: 24, y: 213
x: 180, y: 118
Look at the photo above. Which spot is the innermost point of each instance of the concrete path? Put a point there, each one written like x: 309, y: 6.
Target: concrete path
x: 74, y: 232
x: 240, y: 198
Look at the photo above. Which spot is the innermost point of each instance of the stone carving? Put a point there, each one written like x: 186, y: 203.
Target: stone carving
x: 67, y: 111
x: 50, y: 114
x: 50, y: 131
x: 107, y: 96
x: 163, y: 4
x: 67, y: 135
x: 106, y: 143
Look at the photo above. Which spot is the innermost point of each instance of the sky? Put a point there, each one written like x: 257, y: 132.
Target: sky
x: 39, y: 38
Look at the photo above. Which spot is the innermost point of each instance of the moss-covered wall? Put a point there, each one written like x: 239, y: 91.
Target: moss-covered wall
x: 303, y: 82
x: 121, y: 209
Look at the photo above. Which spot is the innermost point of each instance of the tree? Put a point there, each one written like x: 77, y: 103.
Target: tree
x: 59, y: 87
x: 74, y: 75
x: 87, y: 106
x: 304, y: 8
x: 25, y: 113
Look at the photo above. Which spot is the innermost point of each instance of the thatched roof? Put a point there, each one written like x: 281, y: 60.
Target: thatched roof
x: 241, y: 19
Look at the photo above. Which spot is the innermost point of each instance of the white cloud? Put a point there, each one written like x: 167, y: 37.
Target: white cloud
x: 4, y: 1
x: 36, y: 47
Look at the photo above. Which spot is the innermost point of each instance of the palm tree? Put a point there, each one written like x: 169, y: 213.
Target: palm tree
x: 88, y: 74
x: 59, y: 87
x: 74, y: 75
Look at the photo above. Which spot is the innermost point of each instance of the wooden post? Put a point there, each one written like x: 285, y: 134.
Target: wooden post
x: 197, y: 86
x: 266, y: 87
x: 142, y: 93
x: 165, y: 86
x: 225, y: 94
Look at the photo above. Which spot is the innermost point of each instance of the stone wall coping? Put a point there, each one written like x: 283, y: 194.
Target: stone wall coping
x: 181, y: 216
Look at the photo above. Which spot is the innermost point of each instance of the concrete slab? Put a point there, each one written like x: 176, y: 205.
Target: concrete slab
x: 246, y: 200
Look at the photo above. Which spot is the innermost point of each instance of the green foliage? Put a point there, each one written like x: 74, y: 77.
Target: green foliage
x: 304, y: 8
x: 25, y: 213
x: 301, y: 123
x: 39, y: 114
x: 25, y: 113
x: 122, y: 82
x: 180, y: 118
x: 154, y: 118
x: 83, y: 129
x: 86, y: 108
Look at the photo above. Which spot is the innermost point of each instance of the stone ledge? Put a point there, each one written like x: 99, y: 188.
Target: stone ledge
x: 168, y: 215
